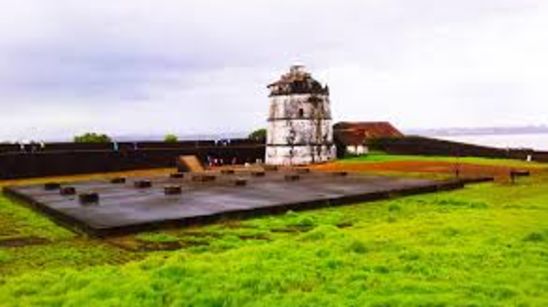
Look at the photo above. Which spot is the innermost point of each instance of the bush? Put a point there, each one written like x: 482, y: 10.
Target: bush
x: 171, y: 138
x: 92, y: 137
x: 258, y: 135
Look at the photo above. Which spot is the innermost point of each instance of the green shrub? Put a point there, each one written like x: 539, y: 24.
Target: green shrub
x: 92, y: 137
x: 171, y: 138
x: 258, y: 135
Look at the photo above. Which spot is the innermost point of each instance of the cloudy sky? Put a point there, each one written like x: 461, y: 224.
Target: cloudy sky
x: 152, y: 67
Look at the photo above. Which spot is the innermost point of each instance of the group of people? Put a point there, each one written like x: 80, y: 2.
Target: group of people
x: 215, y: 161
x: 32, y: 147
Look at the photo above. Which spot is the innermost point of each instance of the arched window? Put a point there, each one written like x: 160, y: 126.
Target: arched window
x: 301, y: 113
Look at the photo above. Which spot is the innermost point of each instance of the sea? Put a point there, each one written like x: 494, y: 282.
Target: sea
x: 536, y: 141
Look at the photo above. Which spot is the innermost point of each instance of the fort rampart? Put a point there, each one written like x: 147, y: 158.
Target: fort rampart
x: 35, y: 160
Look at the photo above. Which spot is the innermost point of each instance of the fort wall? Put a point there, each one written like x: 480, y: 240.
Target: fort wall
x: 72, y: 158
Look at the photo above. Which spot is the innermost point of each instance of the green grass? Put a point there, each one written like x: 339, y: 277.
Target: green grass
x: 377, y: 156
x: 483, y: 245
x: 55, y: 247
x: 18, y: 221
x: 69, y: 254
x: 159, y: 237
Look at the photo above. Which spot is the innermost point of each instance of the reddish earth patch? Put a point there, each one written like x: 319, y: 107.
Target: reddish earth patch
x: 501, y: 173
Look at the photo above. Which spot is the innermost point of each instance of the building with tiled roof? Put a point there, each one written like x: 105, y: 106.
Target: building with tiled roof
x: 353, y: 136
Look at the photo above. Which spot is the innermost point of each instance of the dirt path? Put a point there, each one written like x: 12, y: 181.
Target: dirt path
x: 434, y: 167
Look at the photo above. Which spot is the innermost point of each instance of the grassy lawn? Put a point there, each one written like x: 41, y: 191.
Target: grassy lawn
x: 377, y: 156
x: 486, y: 244
x: 18, y: 221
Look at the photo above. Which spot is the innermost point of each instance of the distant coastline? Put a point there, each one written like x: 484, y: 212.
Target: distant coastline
x: 535, y: 141
x: 457, y: 131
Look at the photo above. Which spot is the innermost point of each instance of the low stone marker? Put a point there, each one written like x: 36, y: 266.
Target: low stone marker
x: 177, y: 175
x: 203, y: 178
x: 292, y: 177
x: 118, y: 180
x: 50, y: 186
x: 142, y: 184
x: 270, y: 168
x: 89, y: 198
x: 258, y: 174
x: 517, y: 173
x: 240, y: 182
x: 172, y: 190
x: 67, y: 191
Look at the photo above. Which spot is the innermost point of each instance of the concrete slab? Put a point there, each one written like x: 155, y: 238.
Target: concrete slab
x: 124, y: 208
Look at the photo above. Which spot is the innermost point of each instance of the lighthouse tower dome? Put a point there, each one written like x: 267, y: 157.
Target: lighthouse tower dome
x: 299, y: 123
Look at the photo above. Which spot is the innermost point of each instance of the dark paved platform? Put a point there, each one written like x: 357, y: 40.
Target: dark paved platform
x: 124, y: 208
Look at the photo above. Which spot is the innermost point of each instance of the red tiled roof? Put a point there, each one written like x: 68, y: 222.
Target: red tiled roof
x: 354, y: 133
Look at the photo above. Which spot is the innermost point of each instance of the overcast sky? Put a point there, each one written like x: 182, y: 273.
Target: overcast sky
x: 153, y: 67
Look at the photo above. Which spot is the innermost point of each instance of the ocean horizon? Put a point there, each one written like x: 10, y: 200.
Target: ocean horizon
x: 536, y: 141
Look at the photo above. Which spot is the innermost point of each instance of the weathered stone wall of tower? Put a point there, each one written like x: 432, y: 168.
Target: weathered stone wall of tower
x: 299, y: 155
x: 299, y: 128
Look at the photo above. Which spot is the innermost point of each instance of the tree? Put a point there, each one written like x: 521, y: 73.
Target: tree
x: 258, y: 135
x: 171, y: 138
x: 92, y: 137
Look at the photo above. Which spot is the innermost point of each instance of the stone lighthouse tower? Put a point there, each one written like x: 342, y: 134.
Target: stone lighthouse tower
x: 299, y: 123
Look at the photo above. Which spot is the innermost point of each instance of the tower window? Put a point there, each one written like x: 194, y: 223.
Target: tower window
x: 301, y: 113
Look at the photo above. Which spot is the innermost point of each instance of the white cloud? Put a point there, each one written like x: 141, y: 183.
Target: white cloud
x: 201, y: 66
